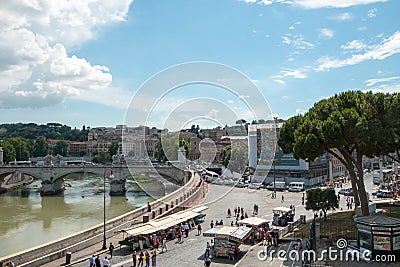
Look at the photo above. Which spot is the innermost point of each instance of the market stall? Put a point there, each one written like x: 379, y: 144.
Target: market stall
x: 282, y: 216
x: 227, y: 239
x: 138, y: 237
x: 253, y: 222
x: 256, y: 224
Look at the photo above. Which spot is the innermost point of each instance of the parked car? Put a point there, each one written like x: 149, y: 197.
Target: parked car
x: 384, y: 194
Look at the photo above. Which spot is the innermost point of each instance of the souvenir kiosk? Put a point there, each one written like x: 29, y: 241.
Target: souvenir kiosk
x: 282, y: 216
x: 379, y: 234
x: 227, y: 239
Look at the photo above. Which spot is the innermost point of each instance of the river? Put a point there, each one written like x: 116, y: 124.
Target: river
x: 28, y: 219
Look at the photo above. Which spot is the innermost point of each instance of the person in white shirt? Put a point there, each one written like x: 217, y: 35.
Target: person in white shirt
x: 106, y: 263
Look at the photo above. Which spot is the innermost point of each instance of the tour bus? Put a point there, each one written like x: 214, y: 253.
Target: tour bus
x: 296, y: 187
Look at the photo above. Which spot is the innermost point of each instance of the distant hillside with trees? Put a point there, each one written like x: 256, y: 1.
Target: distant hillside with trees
x: 52, y: 130
x: 20, y: 141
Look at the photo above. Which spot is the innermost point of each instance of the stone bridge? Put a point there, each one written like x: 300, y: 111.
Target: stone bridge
x: 53, y: 176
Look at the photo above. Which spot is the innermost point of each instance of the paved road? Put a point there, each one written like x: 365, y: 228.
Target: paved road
x: 190, y: 253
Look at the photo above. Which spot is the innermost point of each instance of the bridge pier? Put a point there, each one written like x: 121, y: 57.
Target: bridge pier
x: 117, y: 187
x: 50, y: 187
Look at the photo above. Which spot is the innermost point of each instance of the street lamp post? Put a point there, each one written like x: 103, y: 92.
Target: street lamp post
x: 104, y: 208
x: 273, y: 162
x: 104, y: 211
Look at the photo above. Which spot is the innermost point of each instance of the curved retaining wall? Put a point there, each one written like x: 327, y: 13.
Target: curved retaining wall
x: 56, y: 249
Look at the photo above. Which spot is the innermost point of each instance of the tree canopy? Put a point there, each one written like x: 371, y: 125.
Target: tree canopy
x: 234, y: 157
x: 348, y: 125
x: 321, y: 199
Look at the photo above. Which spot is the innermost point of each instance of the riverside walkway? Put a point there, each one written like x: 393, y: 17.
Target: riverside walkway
x: 191, y: 252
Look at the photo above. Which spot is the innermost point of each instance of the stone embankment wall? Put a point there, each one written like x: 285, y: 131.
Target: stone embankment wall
x: 183, y: 197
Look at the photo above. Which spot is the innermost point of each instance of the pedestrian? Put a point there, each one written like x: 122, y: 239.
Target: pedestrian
x: 208, y: 247
x: 97, y: 262
x: 229, y: 212
x: 186, y: 227
x: 106, y: 262
x: 231, y: 223
x: 182, y: 236
x: 283, y: 199
x: 134, y: 259
x: 111, y: 249
x: 147, y: 254
x: 154, y: 259
x: 199, y: 229
x: 91, y: 261
x: 142, y: 257
x: 148, y: 207
x: 207, y: 262
x: 235, y: 211
x: 164, y: 244
x: 320, y: 214
x: 212, y: 224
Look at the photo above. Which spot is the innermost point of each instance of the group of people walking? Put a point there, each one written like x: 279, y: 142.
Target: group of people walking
x: 144, y: 257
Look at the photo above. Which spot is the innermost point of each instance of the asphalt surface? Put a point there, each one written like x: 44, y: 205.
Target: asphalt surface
x: 191, y: 251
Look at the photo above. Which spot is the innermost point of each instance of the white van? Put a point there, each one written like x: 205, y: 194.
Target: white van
x: 296, y: 187
x: 279, y: 186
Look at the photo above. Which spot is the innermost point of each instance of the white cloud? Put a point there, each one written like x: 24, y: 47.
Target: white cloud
x: 372, y: 13
x: 342, y: 17
x: 267, y: 2
x: 386, y: 88
x: 388, y: 47
x: 284, y: 97
x: 300, y: 111
x: 372, y: 82
x: 354, y: 45
x: 362, y: 28
x: 297, y: 41
x: 310, y: 4
x: 326, y: 33
x: 36, y: 69
x: 230, y: 101
x: 297, y: 74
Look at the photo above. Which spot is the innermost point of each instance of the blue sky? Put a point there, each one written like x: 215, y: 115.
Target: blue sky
x: 81, y: 62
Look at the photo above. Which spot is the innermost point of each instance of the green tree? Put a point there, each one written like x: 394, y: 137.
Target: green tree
x: 61, y: 148
x: 348, y: 126
x: 225, y: 156
x: 8, y: 151
x: 40, y: 148
x: 21, y: 147
x: 113, y: 148
x: 321, y: 199
x: 159, y: 152
x: 234, y: 157
x: 103, y: 157
x: 167, y: 147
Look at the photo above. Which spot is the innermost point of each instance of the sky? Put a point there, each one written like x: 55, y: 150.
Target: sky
x: 171, y: 64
